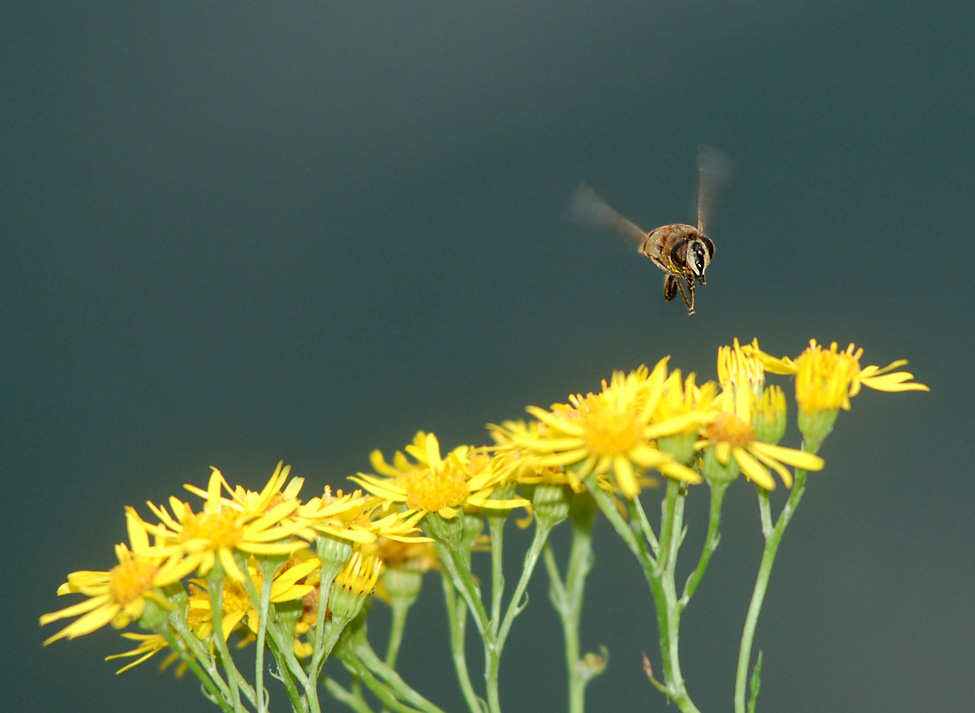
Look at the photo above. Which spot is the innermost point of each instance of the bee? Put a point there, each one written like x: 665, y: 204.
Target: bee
x: 682, y: 251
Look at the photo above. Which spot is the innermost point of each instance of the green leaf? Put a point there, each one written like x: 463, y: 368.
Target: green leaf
x: 755, y: 682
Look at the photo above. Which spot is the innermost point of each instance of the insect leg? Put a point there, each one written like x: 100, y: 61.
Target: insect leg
x: 688, y: 296
x: 670, y: 287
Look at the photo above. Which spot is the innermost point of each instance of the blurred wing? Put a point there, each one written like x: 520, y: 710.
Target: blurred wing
x: 714, y: 169
x: 586, y: 208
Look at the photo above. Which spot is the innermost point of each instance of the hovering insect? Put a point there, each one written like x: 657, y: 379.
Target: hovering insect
x: 682, y: 251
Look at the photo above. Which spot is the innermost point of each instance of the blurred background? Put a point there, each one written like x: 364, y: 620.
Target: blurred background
x: 235, y: 233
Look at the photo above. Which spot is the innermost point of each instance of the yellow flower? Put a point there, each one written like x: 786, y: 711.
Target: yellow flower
x: 609, y: 432
x: 523, y: 467
x: 118, y: 596
x: 827, y: 379
x: 224, y: 527
x: 350, y: 517
x: 731, y: 435
x: 769, y: 417
x: 684, y: 399
x: 396, y: 554
x: 431, y: 483
x: 149, y: 646
x: 236, y: 608
x: 738, y: 368
x: 269, y: 496
x: 353, y: 585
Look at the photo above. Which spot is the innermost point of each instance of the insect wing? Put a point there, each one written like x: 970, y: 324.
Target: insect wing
x: 714, y: 169
x: 586, y: 208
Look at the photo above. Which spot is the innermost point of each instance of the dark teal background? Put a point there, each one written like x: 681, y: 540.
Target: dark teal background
x: 234, y: 233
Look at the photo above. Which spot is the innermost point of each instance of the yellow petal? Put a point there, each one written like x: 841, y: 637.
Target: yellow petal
x: 790, y: 456
x: 753, y: 470
x: 775, y: 465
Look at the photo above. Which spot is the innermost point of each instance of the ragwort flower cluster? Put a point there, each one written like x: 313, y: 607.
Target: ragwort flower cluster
x: 235, y: 539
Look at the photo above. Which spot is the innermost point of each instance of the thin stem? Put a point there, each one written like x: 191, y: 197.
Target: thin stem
x: 215, y: 580
x: 459, y: 571
x: 664, y: 590
x: 380, y: 690
x: 660, y: 574
x: 396, y: 629
x: 361, y: 652
x: 351, y: 699
x: 322, y: 646
x: 496, y: 527
x: 289, y: 672
x: 608, y: 508
x: 645, y: 527
x: 515, y: 606
x: 210, y: 678
x: 457, y: 621
x: 773, y: 536
x: 494, y: 645
x: 567, y: 599
x: 711, y: 540
x: 262, y: 603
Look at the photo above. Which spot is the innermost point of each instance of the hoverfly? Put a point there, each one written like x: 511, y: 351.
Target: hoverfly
x: 683, y: 252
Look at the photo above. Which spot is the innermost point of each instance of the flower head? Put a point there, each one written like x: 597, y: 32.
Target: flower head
x: 354, y: 585
x: 683, y: 401
x: 225, y: 526
x: 236, y: 608
x: 738, y: 369
x: 826, y: 379
x: 120, y: 595
x: 431, y: 483
x: 612, y: 431
x: 352, y: 517
x: 732, y: 436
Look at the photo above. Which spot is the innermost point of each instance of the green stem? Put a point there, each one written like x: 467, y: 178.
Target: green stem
x: 380, y: 690
x: 515, y: 606
x: 261, y: 601
x: 567, y: 599
x: 773, y: 536
x: 350, y: 698
x: 459, y: 570
x: 608, y: 509
x: 711, y: 540
x: 210, y: 678
x: 494, y: 646
x: 496, y: 528
x: 457, y: 621
x: 322, y: 644
x: 664, y: 588
x: 361, y: 653
x: 290, y: 671
x: 660, y: 574
x: 215, y: 578
x: 646, y: 529
x: 397, y: 628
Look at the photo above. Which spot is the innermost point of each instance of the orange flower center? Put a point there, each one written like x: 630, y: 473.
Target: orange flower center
x: 610, y: 430
x: 131, y: 579
x: 433, y: 489
x: 220, y: 529
x: 728, y: 428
